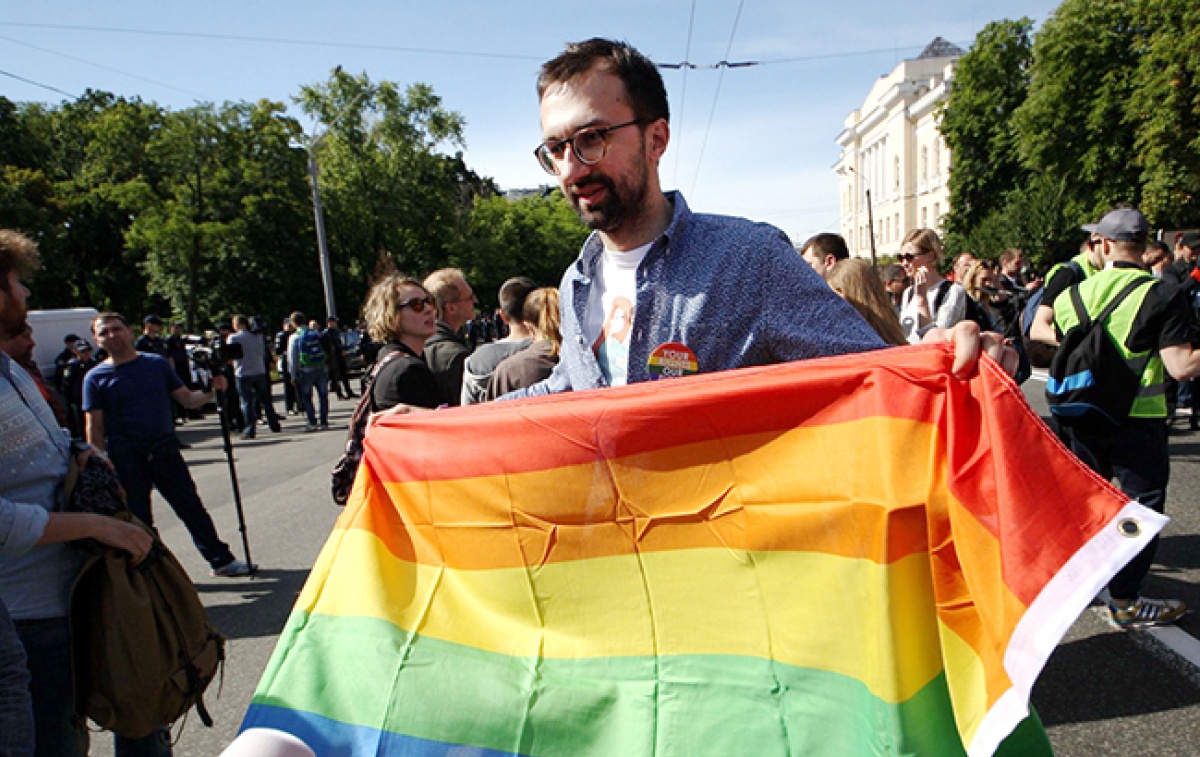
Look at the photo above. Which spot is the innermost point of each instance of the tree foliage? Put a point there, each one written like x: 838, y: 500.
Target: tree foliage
x: 990, y: 84
x: 199, y: 213
x: 1108, y: 117
x: 536, y: 236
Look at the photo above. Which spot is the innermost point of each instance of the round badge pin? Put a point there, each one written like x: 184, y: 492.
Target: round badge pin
x: 672, y: 359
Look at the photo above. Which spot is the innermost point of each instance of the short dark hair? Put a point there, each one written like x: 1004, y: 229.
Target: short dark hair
x: 298, y: 319
x: 241, y: 321
x: 827, y: 244
x: 512, y: 296
x: 643, y: 83
x: 17, y: 253
x: 108, y: 316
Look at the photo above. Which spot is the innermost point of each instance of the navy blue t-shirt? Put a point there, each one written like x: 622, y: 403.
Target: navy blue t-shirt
x: 135, y: 398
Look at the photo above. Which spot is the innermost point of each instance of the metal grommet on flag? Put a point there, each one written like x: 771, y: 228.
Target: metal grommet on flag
x: 1129, y: 527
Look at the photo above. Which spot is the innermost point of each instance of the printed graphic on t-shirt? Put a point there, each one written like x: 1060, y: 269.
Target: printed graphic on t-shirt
x: 612, y: 347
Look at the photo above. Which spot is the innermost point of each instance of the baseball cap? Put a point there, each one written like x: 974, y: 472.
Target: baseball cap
x: 1190, y: 239
x: 152, y: 319
x: 71, y: 339
x: 1122, y: 225
x: 82, y: 344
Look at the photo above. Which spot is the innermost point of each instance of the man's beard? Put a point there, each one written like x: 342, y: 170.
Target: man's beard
x: 618, y: 206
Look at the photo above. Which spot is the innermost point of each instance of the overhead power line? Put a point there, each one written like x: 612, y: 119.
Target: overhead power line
x: 101, y: 65
x: 716, y: 96
x: 722, y: 64
x: 37, y: 84
x: 273, y: 40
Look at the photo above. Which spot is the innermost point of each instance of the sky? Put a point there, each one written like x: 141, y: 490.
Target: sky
x: 755, y: 141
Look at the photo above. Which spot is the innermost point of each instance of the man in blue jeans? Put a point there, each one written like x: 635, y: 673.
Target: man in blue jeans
x: 127, y: 399
x: 307, y: 360
x: 253, y: 382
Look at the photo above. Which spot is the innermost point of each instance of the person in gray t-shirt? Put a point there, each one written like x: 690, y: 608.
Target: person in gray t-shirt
x: 253, y: 382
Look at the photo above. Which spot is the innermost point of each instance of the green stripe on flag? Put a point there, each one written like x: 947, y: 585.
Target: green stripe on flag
x: 368, y: 672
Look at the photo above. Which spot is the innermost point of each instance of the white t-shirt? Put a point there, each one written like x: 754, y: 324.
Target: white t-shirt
x: 609, y: 316
x: 952, y: 310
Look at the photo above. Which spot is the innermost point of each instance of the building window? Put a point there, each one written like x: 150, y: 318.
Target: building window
x: 897, y: 226
x: 887, y: 229
x: 937, y: 214
x: 924, y: 218
x: 924, y: 164
x: 937, y: 158
x: 896, y: 177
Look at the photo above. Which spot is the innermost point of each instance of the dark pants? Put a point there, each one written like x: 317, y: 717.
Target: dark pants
x: 291, y: 403
x: 255, y: 392
x: 59, y: 731
x: 308, y: 379
x: 162, y: 467
x: 16, y: 709
x: 1136, y: 454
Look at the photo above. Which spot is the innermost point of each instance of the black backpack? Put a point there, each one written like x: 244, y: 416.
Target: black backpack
x: 346, y: 468
x: 1090, y: 383
x: 975, y: 311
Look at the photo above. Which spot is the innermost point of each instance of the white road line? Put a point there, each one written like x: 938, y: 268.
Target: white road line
x: 1040, y: 374
x: 1178, y: 641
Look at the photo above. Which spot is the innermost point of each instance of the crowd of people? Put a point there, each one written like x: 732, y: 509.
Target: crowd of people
x: 654, y: 278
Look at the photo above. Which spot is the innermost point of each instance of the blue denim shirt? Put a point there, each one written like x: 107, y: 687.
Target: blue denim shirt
x: 35, y: 582
x: 733, y: 291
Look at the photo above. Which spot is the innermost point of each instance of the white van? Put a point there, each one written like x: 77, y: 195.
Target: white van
x: 49, y: 328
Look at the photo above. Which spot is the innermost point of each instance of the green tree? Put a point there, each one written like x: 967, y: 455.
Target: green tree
x: 990, y: 83
x: 1072, y: 125
x: 387, y: 188
x: 536, y: 236
x: 1163, y: 110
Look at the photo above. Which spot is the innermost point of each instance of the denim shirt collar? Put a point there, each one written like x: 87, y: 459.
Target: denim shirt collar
x: 593, y: 247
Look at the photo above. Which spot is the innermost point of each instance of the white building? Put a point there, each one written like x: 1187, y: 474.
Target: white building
x: 894, y: 160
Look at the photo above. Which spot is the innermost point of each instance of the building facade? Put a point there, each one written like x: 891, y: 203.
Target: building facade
x: 894, y: 166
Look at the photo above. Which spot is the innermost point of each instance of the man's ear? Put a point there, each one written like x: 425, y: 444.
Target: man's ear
x: 658, y: 135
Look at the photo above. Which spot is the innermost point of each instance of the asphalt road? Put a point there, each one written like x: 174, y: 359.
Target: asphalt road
x: 1104, y: 692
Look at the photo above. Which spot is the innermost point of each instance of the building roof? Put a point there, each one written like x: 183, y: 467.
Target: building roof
x: 941, y: 48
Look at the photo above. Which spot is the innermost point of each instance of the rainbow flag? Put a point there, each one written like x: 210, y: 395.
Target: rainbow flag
x: 847, y: 556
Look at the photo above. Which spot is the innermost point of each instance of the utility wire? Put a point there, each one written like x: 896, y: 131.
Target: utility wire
x: 716, y: 96
x: 273, y: 40
x: 685, y: 64
x: 37, y: 84
x: 101, y: 65
x: 687, y: 53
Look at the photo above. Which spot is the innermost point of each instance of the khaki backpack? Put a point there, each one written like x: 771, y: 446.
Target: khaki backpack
x: 144, y: 649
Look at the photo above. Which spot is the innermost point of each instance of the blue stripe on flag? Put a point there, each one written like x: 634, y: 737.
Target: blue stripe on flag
x: 332, y: 738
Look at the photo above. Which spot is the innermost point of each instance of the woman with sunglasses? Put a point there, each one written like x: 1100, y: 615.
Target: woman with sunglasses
x: 931, y: 301
x: 400, y: 316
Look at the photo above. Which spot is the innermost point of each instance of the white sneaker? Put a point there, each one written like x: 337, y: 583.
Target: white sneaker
x: 233, y: 570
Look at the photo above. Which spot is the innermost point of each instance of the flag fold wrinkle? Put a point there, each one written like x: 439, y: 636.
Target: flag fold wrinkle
x: 846, y: 556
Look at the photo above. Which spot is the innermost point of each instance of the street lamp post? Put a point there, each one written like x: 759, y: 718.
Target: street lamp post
x: 870, y: 214
x: 870, y: 224
x: 310, y: 146
x: 322, y: 246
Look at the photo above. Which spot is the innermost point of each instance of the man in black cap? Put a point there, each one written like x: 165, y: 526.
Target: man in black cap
x: 151, y: 340
x: 1151, y: 327
x: 60, y: 362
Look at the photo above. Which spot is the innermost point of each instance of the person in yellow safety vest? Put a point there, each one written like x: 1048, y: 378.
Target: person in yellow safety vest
x: 1152, y: 329
x: 1058, y: 279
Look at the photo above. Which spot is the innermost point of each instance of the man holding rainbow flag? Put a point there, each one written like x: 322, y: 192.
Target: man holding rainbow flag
x: 821, y: 558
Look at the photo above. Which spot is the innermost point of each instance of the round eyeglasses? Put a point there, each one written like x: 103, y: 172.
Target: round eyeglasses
x: 589, y: 146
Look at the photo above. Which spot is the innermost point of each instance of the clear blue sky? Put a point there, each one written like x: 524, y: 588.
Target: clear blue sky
x: 766, y: 155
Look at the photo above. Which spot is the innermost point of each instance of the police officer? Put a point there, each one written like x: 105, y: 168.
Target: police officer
x: 1152, y: 329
